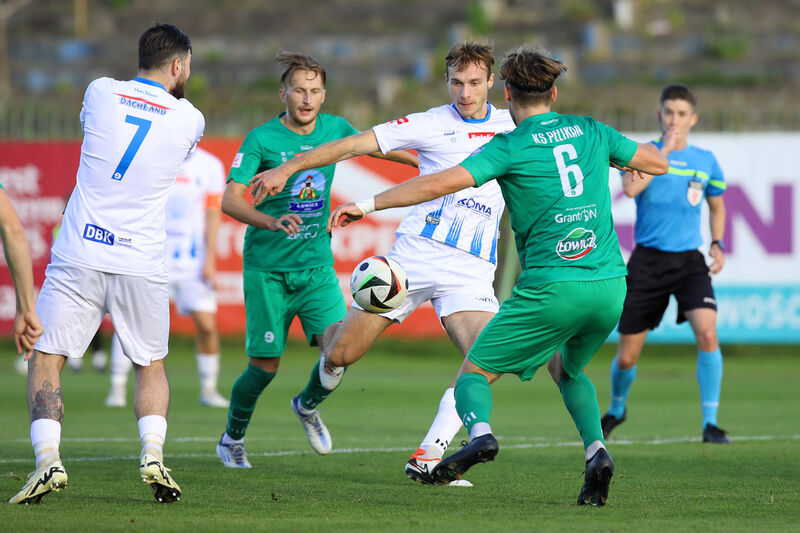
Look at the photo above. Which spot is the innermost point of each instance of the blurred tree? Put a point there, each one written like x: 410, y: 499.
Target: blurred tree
x: 7, y: 10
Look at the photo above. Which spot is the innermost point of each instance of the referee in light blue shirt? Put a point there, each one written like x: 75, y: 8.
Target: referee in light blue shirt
x: 666, y: 259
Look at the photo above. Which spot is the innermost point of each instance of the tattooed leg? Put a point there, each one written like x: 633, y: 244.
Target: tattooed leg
x: 45, y: 399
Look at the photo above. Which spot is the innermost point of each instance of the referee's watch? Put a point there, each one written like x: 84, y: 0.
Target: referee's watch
x: 718, y: 243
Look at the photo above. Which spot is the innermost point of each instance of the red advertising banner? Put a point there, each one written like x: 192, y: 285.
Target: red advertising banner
x: 39, y: 176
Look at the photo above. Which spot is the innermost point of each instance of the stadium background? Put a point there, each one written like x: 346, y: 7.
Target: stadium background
x: 385, y: 60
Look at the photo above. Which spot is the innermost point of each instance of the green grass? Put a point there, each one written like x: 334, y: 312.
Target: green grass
x: 665, y: 478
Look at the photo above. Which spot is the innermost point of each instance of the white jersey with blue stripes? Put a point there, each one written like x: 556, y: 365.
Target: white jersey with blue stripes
x: 467, y: 219
x: 198, y: 188
x: 136, y: 135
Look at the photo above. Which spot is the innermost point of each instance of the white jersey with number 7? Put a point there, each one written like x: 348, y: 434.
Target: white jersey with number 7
x: 136, y: 135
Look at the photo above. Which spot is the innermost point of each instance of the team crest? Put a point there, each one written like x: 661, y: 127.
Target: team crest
x: 308, y: 192
x: 694, y: 192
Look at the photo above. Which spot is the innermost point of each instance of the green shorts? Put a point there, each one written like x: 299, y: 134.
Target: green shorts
x: 273, y: 299
x: 573, y: 316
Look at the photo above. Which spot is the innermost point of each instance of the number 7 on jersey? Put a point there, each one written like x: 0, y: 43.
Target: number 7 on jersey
x: 142, y: 127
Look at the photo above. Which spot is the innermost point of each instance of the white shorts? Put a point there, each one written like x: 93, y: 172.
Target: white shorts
x: 74, y: 300
x: 192, y: 294
x: 451, y: 279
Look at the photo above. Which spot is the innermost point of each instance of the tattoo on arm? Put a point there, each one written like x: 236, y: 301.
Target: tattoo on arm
x: 48, y: 403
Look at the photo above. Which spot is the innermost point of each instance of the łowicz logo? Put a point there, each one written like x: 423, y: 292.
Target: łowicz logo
x: 309, y: 189
x: 577, y: 244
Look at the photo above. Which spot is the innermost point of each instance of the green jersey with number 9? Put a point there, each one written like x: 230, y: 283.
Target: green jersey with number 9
x: 553, y: 171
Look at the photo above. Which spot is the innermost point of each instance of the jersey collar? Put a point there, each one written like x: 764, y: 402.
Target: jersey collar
x: 475, y: 120
x: 148, y: 82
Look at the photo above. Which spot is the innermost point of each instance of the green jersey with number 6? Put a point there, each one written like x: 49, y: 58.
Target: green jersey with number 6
x: 554, y: 173
x: 306, y: 194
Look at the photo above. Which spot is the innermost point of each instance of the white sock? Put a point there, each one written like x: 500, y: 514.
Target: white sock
x: 226, y: 439
x: 444, y: 426
x: 479, y: 429
x: 152, y: 434
x: 45, y: 437
x: 593, y: 448
x: 208, y: 370
x: 119, y: 380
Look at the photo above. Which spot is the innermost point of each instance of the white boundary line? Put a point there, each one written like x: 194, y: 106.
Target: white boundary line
x: 562, y: 444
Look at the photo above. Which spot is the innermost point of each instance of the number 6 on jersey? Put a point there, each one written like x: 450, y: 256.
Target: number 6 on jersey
x: 143, y: 126
x: 565, y: 170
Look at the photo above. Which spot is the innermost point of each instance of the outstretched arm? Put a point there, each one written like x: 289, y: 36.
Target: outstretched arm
x: 27, y: 327
x: 648, y: 161
x: 234, y: 205
x: 412, y: 192
x: 271, y: 182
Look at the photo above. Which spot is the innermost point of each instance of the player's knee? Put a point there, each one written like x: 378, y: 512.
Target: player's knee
x: 707, y: 339
x: 627, y: 359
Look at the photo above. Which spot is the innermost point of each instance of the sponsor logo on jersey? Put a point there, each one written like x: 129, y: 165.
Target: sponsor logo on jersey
x: 584, y: 215
x: 141, y: 104
x: 97, y: 234
x: 477, y: 150
x: 475, y: 206
x: 481, y: 134
x: 577, y: 244
x: 448, y: 133
x: 237, y: 161
x: 308, y: 192
x: 677, y: 163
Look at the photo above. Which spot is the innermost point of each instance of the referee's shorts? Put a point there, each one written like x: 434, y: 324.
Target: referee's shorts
x: 653, y: 276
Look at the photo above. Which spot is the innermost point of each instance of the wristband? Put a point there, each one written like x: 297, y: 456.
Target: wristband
x: 366, y: 206
x: 718, y: 243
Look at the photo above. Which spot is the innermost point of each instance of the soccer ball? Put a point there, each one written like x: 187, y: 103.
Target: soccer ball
x: 379, y: 284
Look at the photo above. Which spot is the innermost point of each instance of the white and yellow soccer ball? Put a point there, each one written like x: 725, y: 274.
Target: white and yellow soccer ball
x: 379, y: 284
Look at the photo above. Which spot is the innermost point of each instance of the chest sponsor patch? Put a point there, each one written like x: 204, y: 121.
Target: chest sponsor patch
x: 577, y: 244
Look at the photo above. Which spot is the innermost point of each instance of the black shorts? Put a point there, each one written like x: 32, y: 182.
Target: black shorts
x: 653, y: 276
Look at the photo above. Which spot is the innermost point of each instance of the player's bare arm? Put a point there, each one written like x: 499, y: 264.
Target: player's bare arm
x: 647, y: 162
x: 412, y: 192
x: 271, y: 182
x: 235, y: 206
x: 716, y: 217
x: 27, y: 328
x: 213, y: 216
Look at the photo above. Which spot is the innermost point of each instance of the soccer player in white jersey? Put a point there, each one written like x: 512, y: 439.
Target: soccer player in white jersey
x: 109, y: 254
x: 457, y: 233
x: 193, y: 216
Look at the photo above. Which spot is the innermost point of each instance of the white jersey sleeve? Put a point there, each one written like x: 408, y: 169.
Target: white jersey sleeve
x: 468, y: 219
x: 200, y: 180
x: 136, y: 135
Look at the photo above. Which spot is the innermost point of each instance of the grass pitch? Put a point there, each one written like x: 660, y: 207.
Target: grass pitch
x: 665, y: 478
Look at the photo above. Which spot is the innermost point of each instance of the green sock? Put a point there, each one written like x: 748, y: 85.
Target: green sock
x: 246, y: 390
x: 473, y: 399
x: 314, y: 393
x: 580, y: 398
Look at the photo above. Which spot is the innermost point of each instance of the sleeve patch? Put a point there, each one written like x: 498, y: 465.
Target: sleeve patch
x: 237, y: 161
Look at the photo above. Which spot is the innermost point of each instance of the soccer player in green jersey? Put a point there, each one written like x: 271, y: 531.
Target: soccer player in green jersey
x: 27, y: 327
x: 288, y: 264
x: 553, y: 172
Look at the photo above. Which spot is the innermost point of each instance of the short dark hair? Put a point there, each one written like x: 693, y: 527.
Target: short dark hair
x: 467, y: 53
x: 160, y: 44
x: 529, y: 74
x: 678, y: 92
x: 293, y: 62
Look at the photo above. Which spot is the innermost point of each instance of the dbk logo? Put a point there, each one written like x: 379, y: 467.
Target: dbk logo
x: 98, y: 234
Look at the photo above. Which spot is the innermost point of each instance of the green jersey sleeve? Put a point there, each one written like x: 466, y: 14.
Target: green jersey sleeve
x: 620, y: 148
x: 247, y: 161
x: 489, y: 161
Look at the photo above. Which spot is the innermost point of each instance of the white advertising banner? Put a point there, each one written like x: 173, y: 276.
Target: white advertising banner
x: 758, y: 290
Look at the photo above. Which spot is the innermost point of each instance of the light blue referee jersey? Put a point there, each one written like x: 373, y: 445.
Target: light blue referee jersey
x: 668, y: 210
